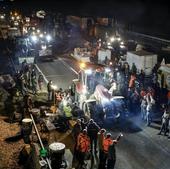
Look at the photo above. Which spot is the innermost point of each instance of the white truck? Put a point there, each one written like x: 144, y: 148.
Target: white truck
x: 82, y: 54
x: 113, y: 106
x: 143, y: 60
x: 102, y: 54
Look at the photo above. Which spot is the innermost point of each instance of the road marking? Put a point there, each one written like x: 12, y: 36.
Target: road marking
x: 41, y: 73
x: 65, y: 64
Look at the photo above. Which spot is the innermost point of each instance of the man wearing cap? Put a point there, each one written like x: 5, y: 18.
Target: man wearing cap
x: 83, y: 143
x: 92, y: 130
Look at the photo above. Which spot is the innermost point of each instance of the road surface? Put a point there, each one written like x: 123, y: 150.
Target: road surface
x: 59, y: 72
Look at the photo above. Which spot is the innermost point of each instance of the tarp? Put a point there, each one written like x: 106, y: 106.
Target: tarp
x: 102, y: 93
x: 79, y: 87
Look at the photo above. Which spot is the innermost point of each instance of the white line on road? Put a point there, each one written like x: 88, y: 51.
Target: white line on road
x: 41, y: 73
x: 65, y: 64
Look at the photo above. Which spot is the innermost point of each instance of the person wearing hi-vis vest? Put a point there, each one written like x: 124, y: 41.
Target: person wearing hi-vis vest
x: 108, y: 146
x: 107, y: 141
x: 67, y: 111
x: 83, y: 147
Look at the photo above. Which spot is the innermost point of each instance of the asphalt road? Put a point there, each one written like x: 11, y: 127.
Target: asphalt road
x: 142, y: 148
x: 59, y: 72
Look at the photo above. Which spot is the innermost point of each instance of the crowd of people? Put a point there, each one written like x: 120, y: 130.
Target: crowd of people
x: 91, y: 140
x: 146, y: 98
x: 28, y: 81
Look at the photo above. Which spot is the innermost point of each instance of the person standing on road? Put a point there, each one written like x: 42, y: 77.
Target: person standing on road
x: 165, y: 122
x: 34, y: 86
x: 143, y: 108
x: 76, y: 131
x: 92, y: 130
x: 50, y: 90
x: 111, y: 157
x: 83, y: 144
x: 101, y: 135
x: 40, y: 81
x: 107, y: 141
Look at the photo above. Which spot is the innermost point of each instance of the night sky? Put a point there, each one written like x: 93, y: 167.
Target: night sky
x: 147, y: 16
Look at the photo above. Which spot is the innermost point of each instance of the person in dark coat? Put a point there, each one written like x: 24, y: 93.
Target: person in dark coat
x: 92, y: 130
x: 50, y: 90
x: 76, y: 131
x: 111, y: 156
x: 83, y: 124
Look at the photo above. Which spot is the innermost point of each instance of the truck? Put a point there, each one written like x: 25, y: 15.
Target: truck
x: 112, y: 107
x: 82, y: 54
x: 103, y: 54
x: 143, y: 60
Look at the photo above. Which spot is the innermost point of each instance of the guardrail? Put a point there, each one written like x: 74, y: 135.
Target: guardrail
x: 148, y: 37
x: 41, y: 143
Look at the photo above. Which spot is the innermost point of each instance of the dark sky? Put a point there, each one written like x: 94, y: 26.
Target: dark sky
x: 144, y: 14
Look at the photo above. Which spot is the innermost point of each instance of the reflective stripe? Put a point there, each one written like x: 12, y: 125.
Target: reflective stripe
x: 83, y: 143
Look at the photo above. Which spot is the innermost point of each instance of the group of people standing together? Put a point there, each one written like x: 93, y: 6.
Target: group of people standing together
x: 91, y: 140
x: 28, y: 80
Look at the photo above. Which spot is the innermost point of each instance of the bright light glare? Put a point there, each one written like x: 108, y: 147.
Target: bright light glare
x: 88, y: 71
x: 54, y: 87
x: 110, y: 63
x: 18, y: 17
x: 107, y: 70
x: 119, y: 39
x: 121, y: 46
x: 108, y: 43
x: 122, y: 43
x: 112, y: 39
x: 48, y: 37
x: 82, y: 65
x: 41, y: 35
x: 34, y: 38
x: 38, y: 31
x: 43, y: 47
x: 2, y: 16
x: 12, y: 18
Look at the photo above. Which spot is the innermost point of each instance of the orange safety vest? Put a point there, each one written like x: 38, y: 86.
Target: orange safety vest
x: 106, y: 143
x: 83, y: 143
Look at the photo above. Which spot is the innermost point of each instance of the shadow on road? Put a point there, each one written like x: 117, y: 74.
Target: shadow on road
x: 126, y: 126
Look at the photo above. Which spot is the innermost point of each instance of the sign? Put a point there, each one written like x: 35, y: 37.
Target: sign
x: 28, y: 59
